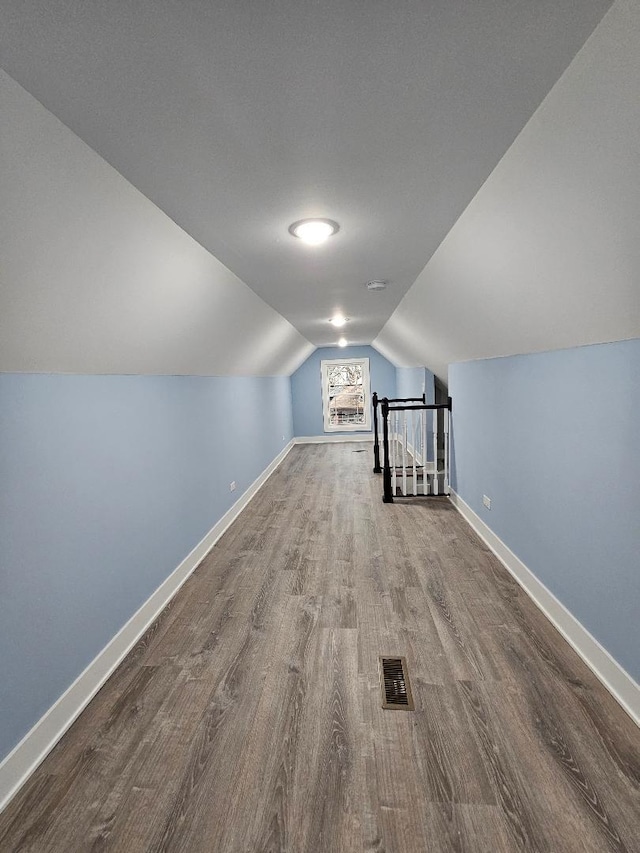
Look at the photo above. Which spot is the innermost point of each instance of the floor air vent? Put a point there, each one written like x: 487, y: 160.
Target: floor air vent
x: 394, y: 679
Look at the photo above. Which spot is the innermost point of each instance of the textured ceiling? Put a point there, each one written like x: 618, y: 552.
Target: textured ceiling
x: 237, y: 118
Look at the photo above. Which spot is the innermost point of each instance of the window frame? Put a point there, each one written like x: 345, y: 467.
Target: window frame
x: 325, y: 364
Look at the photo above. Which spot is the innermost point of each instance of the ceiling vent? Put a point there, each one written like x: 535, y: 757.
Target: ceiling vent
x: 376, y: 284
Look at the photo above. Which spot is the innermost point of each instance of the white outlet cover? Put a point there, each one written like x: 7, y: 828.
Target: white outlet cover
x: 486, y: 501
x: 232, y: 486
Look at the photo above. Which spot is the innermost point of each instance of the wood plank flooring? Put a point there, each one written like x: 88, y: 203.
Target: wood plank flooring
x: 249, y: 717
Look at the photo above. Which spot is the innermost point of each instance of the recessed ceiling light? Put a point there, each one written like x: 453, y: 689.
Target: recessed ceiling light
x: 338, y: 320
x: 342, y: 342
x: 313, y: 232
x: 376, y: 284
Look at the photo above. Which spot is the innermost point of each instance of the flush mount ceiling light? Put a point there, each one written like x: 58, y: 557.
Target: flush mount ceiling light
x: 313, y: 232
x: 338, y: 320
x: 342, y: 342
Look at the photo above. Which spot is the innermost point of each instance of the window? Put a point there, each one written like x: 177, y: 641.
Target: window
x: 346, y: 394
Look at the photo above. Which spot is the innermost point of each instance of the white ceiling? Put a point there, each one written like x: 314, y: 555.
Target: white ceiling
x: 236, y: 118
x: 94, y: 278
x: 547, y: 255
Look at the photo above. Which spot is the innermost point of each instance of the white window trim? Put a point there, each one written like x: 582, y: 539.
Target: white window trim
x: 366, y: 385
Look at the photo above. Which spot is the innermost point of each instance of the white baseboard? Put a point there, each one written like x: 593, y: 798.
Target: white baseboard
x: 21, y: 762
x: 618, y: 682
x: 332, y: 438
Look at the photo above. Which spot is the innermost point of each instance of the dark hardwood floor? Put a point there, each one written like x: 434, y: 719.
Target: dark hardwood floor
x: 249, y: 717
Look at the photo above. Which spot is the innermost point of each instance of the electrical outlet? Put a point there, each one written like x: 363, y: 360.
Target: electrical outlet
x: 486, y: 501
x: 232, y: 486
x: 284, y: 438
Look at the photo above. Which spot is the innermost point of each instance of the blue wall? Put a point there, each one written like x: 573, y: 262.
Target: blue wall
x: 410, y: 382
x: 306, y: 390
x: 107, y: 483
x: 554, y: 440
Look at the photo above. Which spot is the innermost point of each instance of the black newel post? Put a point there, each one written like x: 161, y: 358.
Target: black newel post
x: 376, y: 444
x: 387, y: 496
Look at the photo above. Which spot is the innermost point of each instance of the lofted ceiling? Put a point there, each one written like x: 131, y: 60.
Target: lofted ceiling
x: 238, y: 117
x: 94, y: 278
x: 547, y: 254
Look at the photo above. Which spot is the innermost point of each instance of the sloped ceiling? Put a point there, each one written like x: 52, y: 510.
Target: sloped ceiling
x: 95, y: 279
x: 237, y: 117
x: 547, y: 255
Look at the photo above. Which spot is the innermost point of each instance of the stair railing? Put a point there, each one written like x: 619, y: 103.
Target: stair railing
x: 377, y: 426
x: 407, y: 469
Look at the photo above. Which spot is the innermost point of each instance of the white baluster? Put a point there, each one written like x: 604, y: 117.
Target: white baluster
x: 446, y: 452
x: 414, y: 438
x: 425, y: 479
x: 394, y: 433
x: 435, y: 451
x: 404, y: 453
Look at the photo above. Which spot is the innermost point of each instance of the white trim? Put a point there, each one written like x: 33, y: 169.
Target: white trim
x: 618, y: 682
x: 430, y: 465
x: 330, y: 439
x: 21, y: 762
x: 325, y: 364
